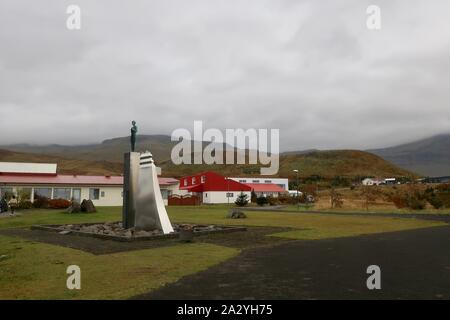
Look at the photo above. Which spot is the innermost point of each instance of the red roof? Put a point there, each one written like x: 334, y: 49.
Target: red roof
x: 265, y: 187
x: 211, y: 181
x: 70, y: 179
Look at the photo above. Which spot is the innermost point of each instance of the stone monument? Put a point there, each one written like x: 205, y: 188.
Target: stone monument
x: 143, y: 205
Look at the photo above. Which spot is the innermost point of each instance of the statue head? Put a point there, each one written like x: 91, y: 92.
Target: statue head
x: 133, y: 123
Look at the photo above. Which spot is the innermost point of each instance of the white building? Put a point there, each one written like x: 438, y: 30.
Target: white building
x: 372, y: 182
x: 31, y: 180
x: 282, y: 182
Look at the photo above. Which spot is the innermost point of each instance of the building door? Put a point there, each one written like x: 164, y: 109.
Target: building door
x: 76, y: 195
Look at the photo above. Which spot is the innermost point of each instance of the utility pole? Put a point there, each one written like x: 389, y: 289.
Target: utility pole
x: 298, y: 199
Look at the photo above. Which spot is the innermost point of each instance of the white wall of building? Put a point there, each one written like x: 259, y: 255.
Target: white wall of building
x: 211, y: 197
x: 107, y: 195
x: 282, y: 182
x: 24, y: 167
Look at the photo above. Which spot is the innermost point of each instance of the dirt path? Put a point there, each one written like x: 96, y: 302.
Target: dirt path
x: 414, y: 264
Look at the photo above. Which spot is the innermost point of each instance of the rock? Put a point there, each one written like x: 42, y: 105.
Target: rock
x: 65, y: 232
x: 75, y: 207
x: 128, y: 233
x: 236, y: 214
x: 88, y: 206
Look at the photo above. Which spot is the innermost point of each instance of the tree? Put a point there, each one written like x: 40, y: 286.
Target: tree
x: 369, y: 195
x: 253, y: 197
x: 242, y: 200
x: 336, y: 199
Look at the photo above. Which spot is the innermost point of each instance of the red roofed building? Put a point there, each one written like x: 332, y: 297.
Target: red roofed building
x: 27, y: 179
x: 215, y: 188
x: 266, y: 189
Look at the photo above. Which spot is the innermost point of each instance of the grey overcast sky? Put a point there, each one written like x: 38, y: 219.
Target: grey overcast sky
x: 309, y: 68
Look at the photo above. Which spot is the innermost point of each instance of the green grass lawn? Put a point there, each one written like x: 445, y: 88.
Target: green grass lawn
x: 31, y: 270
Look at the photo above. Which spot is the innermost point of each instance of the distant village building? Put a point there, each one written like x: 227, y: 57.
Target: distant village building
x: 372, y: 182
x: 377, y: 182
x: 42, y: 180
x: 282, y: 182
x: 444, y: 179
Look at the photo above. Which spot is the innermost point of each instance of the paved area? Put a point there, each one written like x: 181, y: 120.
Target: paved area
x: 414, y: 264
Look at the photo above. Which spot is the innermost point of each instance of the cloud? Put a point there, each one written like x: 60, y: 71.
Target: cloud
x: 309, y: 68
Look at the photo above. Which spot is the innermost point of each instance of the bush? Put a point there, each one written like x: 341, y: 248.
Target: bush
x: 436, y: 202
x: 445, y: 198
x: 399, y: 201
x: 261, y: 201
x: 26, y: 204
x: 272, y: 201
x: 286, y: 199
x: 417, y: 203
x: 59, y: 204
x: 40, y: 202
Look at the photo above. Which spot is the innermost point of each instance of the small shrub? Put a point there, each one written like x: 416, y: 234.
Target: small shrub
x: 40, y: 202
x: 26, y: 204
x: 399, y: 201
x: 272, y: 201
x: 445, y: 198
x: 59, y: 204
x: 436, y: 202
x: 261, y: 201
x: 416, y: 203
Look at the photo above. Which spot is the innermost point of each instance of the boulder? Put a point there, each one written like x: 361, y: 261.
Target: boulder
x: 87, y: 206
x: 236, y: 214
x: 75, y: 207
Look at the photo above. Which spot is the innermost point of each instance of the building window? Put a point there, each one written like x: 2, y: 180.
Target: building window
x: 267, y: 181
x: 203, y: 179
x: 61, y: 193
x: 42, y: 193
x: 206, y: 195
x: 185, y: 182
x: 242, y: 181
x: 6, y: 193
x: 24, y: 194
x: 102, y: 194
x: 94, y: 193
x: 193, y: 180
x: 230, y: 195
x: 164, y: 194
x: 255, y: 181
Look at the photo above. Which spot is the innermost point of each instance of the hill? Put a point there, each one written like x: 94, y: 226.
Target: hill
x: 326, y: 164
x: 106, y: 158
x: 429, y: 157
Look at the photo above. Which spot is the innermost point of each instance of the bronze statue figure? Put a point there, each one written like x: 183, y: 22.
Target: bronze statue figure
x: 134, y: 130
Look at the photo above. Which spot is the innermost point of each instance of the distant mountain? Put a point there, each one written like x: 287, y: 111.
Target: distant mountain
x: 109, y: 150
x: 429, y: 157
x: 109, y: 153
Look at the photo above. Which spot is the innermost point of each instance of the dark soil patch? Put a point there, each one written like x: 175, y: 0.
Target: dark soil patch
x: 253, y: 237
